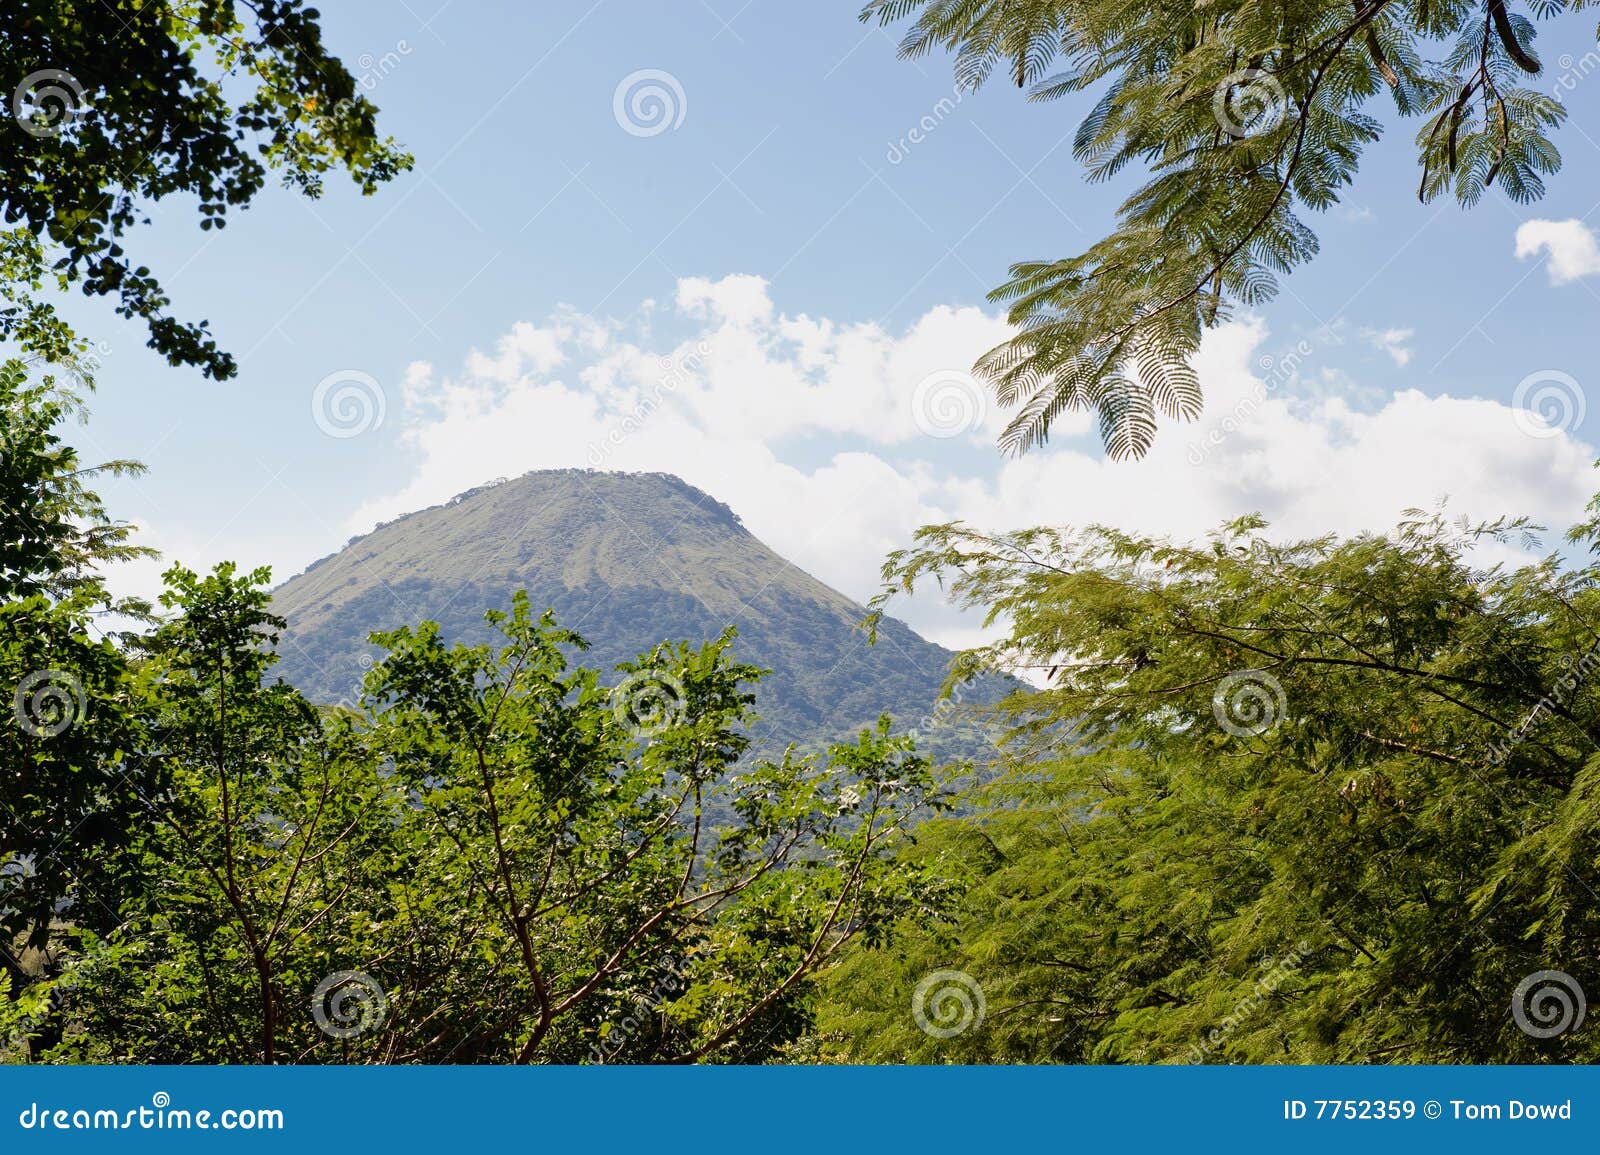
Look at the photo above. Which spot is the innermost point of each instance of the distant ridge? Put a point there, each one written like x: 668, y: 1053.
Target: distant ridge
x: 627, y: 560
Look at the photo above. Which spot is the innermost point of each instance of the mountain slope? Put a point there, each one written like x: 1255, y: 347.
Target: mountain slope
x: 627, y: 560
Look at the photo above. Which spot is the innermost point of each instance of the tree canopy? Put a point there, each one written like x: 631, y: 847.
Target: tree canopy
x: 1324, y: 801
x: 497, y: 859
x: 64, y: 798
x: 114, y: 106
x: 1246, y: 116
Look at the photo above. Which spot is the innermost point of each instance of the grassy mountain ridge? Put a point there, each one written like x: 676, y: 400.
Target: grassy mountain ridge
x: 627, y: 560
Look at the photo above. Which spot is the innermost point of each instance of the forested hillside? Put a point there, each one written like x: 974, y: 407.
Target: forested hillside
x: 628, y: 560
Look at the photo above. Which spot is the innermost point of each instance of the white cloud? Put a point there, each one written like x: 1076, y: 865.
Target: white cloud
x: 527, y: 347
x: 739, y: 297
x: 1393, y: 342
x: 806, y: 427
x: 1571, y: 246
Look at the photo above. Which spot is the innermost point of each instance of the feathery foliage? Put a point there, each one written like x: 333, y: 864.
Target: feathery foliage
x: 1244, y: 114
x: 1325, y: 801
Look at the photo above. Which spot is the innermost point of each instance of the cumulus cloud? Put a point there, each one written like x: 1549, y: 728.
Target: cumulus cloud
x: 1570, y: 245
x: 821, y: 435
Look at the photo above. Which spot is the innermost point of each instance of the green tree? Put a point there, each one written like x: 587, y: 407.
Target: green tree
x: 568, y: 830
x: 64, y: 794
x: 256, y: 820
x: 55, y: 533
x: 1326, y: 801
x: 1246, y: 115
x: 122, y: 104
x: 500, y: 860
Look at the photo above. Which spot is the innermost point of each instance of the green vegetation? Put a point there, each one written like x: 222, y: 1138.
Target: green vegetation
x: 1329, y: 801
x: 62, y: 796
x: 1243, y: 113
x: 187, y: 99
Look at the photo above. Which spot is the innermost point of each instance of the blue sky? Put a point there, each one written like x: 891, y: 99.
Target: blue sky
x: 829, y: 268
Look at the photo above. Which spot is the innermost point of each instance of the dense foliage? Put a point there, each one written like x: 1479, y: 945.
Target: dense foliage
x: 115, y: 105
x: 1329, y: 801
x: 1244, y: 113
x: 64, y: 798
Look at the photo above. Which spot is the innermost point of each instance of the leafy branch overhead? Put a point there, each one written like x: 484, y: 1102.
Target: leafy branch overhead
x: 194, y: 100
x: 1245, y: 114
